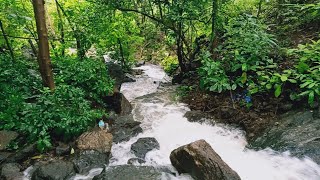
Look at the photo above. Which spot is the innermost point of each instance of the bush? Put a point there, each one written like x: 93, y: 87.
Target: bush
x: 64, y: 114
x: 246, y: 49
x: 170, y: 64
x: 89, y: 74
x: 41, y: 115
x: 307, y: 70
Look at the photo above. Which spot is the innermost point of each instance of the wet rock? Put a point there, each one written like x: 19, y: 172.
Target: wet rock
x: 129, y: 78
x: 116, y: 72
x: 118, y: 103
x: 96, y: 139
x: 124, y: 128
x: 134, y: 161
x: 62, y: 149
x: 136, y: 72
x: 56, y: 170
x: 89, y: 159
x: 201, y: 162
x: 4, y: 156
x: 6, y: 137
x: 199, y: 116
x: 140, y: 63
x: 143, y: 146
x: 22, y: 154
x: 295, y: 131
x: 11, y: 171
x: 129, y: 172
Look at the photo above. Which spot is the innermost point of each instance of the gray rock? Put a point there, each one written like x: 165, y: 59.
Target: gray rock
x: 124, y: 128
x: 23, y: 154
x: 116, y: 72
x: 118, y: 103
x: 140, y: 63
x: 201, y: 162
x: 143, y: 146
x: 56, y: 170
x: 11, y: 171
x: 63, y: 149
x: 96, y: 139
x: 6, y: 137
x: 297, y: 132
x: 4, y: 156
x: 134, y: 161
x: 199, y: 116
x: 129, y: 172
x: 87, y: 160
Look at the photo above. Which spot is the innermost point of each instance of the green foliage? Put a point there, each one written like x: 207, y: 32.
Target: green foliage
x: 170, y: 64
x: 307, y: 70
x: 39, y: 114
x: 213, y: 75
x: 246, y: 50
x: 64, y: 113
x: 88, y: 74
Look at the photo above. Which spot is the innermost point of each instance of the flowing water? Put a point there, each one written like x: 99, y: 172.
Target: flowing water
x: 161, y: 115
x: 156, y: 106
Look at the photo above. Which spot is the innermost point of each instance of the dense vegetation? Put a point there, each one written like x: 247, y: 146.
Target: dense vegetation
x: 242, y: 46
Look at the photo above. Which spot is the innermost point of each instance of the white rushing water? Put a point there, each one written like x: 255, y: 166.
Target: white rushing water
x: 162, y: 118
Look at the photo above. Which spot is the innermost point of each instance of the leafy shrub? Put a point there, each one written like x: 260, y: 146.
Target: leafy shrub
x: 41, y: 115
x: 89, y: 74
x: 64, y: 113
x: 246, y: 49
x: 170, y: 64
x: 213, y: 75
x: 307, y: 70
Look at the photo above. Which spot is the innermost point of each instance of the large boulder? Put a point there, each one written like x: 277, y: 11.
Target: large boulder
x: 295, y: 131
x: 119, y: 103
x: 129, y: 172
x: 89, y: 159
x: 11, y: 171
x: 124, y: 127
x: 116, y: 72
x: 6, y: 137
x: 96, y: 139
x: 201, y: 162
x: 23, y: 154
x: 56, y: 170
x: 143, y: 146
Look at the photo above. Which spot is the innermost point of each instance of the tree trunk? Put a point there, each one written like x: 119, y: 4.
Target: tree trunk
x: 180, y: 49
x: 121, y: 53
x: 61, y: 28
x: 34, y: 50
x: 7, y: 41
x: 44, y: 53
x: 213, y: 26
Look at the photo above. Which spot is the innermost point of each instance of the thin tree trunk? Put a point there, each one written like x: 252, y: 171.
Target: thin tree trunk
x: 7, y: 41
x: 213, y: 25
x: 121, y: 53
x: 34, y: 50
x: 44, y: 53
x: 60, y: 24
x: 259, y: 8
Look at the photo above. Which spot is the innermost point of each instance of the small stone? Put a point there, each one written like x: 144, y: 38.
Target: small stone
x: 97, y: 139
x: 143, y: 146
x: 89, y: 159
x: 56, y: 170
x: 6, y: 137
x: 62, y: 149
x: 11, y: 171
x: 134, y: 161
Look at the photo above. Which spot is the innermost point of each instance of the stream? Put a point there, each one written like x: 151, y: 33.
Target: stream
x: 157, y: 107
